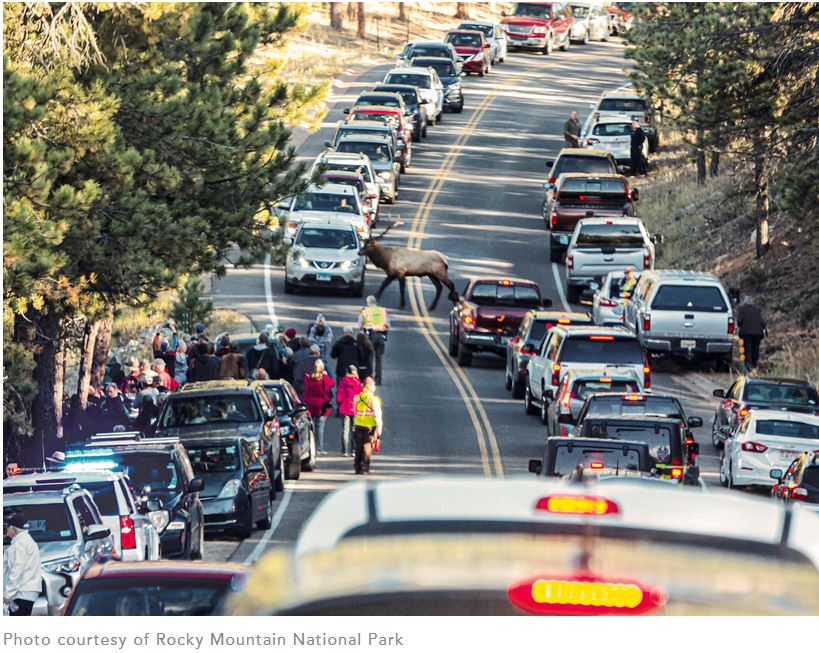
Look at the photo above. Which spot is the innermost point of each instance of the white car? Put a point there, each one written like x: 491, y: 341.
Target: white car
x: 591, y: 22
x: 607, y: 304
x: 325, y: 255
x: 329, y: 201
x: 763, y: 441
x: 613, y: 134
x: 135, y: 537
x: 352, y: 162
x: 428, y: 83
x: 626, y: 101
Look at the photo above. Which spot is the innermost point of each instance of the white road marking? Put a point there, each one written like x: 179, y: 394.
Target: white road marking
x: 277, y: 518
x: 559, y: 285
x: 268, y: 292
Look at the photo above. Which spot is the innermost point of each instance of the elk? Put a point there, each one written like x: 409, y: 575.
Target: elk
x: 402, y: 262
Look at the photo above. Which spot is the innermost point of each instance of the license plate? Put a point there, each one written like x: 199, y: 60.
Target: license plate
x: 788, y: 455
x: 688, y: 344
x: 324, y: 277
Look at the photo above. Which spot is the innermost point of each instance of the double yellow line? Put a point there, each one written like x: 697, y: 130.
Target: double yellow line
x: 485, y: 434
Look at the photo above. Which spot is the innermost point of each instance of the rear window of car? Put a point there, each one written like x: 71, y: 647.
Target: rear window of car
x: 210, y: 409
x: 657, y: 406
x: 47, y: 522
x: 811, y: 476
x: 358, y: 184
x: 593, y: 235
x: 787, y: 429
x: 623, y: 105
x: 658, y: 437
x: 704, y: 299
x: 429, y: 51
x: 105, y: 496
x: 278, y: 397
x: 464, y: 40
x: 593, y: 165
x: 377, y: 100
x: 421, y: 81
x: 213, y: 459
x: 330, y: 202
x: 512, y: 295
x: 612, y: 129
x: 620, y: 351
x: 583, y: 389
x: 567, y: 457
x: 443, y: 68
x: 376, y: 151
x: 782, y: 393
x: 602, y: 186
x: 156, y: 470
x: 351, y: 167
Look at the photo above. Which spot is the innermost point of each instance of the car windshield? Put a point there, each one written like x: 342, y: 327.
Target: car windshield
x: 277, y: 398
x: 154, y: 469
x: 583, y: 389
x: 350, y: 167
x: 376, y: 151
x: 534, y: 9
x: 413, y: 79
x: 326, y: 238
x: 648, y: 405
x: 443, y: 68
x: 798, y: 395
x: 622, y: 105
x: 105, y: 496
x: 592, y: 165
x: 658, y: 437
x: 377, y: 100
x: 47, y: 522
x: 593, y: 235
x: 486, y: 29
x: 136, y: 597
x: 612, y: 129
x: 569, y: 456
x: 213, y: 458
x: 209, y: 409
x: 589, y: 349
x: 329, y: 202
x: 703, y: 299
x: 429, y: 51
x: 787, y: 429
x: 464, y: 40
x: 383, y: 130
x: 387, y: 118
x: 352, y: 182
x: 510, y: 295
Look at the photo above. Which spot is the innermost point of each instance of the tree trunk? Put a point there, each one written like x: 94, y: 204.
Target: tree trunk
x: 351, y: 11
x: 701, y: 168
x: 362, y: 21
x: 402, y: 11
x: 461, y: 10
x: 89, y: 338
x: 713, y: 167
x: 336, y: 17
x: 47, y: 409
x: 761, y: 193
x: 102, y: 345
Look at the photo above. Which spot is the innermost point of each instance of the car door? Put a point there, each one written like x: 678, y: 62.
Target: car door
x: 190, y: 500
x: 554, y: 406
x: 255, y: 478
x: 301, y: 420
x: 537, y: 364
x: 562, y: 22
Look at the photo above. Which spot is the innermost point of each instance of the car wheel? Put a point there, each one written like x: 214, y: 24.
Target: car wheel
x: 464, y: 355
x: 550, y: 46
x: 289, y: 288
x: 459, y: 108
x: 517, y: 387
x: 715, y: 440
x: 246, y: 530
x: 723, y: 480
x: 265, y: 522
x: 566, y: 43
x: 544, y: 411
x: 453, y: 344
x: 572, y: 294
x: 528, y: 405
x: 481, y: 72
x: 280, y: 478
x: 309, y: 464
x: 293, y: 468
x: 508, y: 379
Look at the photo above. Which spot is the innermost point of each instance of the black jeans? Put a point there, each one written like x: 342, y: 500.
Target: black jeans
x: 752, y: 343
x: 638, y: 162
x: 379, y: 343
x: 363, y: 437
x: 23, y: 608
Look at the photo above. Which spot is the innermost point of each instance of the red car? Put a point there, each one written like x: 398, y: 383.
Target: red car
x: 473, y: 50
x: 539, y: 26
x: 147, y: 589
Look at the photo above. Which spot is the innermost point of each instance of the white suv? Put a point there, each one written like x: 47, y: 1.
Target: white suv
x: 429, y: 85
x: 613, y: 134
x: 325, y: 255
x: 329, y: 201
x: 625, y: 101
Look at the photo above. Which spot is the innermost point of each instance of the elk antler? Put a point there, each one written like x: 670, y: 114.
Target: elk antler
x: 390, y: 226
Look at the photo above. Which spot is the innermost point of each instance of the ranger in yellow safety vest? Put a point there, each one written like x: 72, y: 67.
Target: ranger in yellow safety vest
x: 628, y: 283
x: 368, y: 424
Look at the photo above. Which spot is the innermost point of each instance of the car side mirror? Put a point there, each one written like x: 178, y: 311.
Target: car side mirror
x: 535, y: 466
x: 298, y: 408
x: 549, y: 163
x: 694, y: 422
x: 196, y: 485
x: 775, y: 474
x: 565, y: 419
x: 347, y: 111
x: 485, y: 46
x: 635, y: 194
x: 97, y: 532
x: 545, y: 302
x: 726, y: 431
x: 528, y: 349
x: 329, y: 145
x: 719, y: 392
x: 548, y: 394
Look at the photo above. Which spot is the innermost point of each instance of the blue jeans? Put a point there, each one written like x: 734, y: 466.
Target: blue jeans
x: 347, y: 445
x: 318, y: 425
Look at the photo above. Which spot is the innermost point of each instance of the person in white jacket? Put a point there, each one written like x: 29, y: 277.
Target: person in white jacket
x: 22, y: 576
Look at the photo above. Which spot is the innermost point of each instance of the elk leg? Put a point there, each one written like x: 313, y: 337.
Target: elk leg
x: 402, y: 282
x: 453, y: 294
x: 438, y: 289
x: 387, y: 281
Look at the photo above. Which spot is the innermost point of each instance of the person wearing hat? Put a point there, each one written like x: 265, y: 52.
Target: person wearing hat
x: 321, y: 334
x: 22, y: 576
x: 55, y: 462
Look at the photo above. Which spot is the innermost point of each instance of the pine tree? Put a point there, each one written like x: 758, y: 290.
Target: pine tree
x: 190, y: 308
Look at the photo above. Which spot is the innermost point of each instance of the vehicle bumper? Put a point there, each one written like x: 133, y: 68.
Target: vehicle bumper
x: 225, y: 514
x: 387, y: 188
x: 311, y: 278
x: 473, y: 66
x: 674, y: 345
x: 535, y: 42
x: 172, y: 543
x: 758, y: 475
x: 486, y: 341
x: 454, y: 99
x: 54, y: 593
x: 132, y: 555
x: 606, y: 316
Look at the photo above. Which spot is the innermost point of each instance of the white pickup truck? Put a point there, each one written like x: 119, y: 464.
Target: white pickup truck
x: 600, y: 246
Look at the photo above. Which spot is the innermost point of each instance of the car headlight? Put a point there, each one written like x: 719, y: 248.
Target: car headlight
x: 385, y: 175
x: 159, y: 519
x: 63, y: 565
x: 230, y: 489
x: 345, y: 265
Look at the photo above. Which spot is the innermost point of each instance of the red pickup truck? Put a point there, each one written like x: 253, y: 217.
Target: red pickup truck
x: 488, y: 315
x: 539, y: 26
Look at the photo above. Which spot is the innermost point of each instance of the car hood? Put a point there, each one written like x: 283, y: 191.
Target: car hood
x: 55, y: 550
x: 232, y: 429
x: 447, y: 80
x: 324, y: 254
x: 380, y: 166
x: 525, y: 20
x: 296, y: 216
x: 214, y: 483
x: 466, y: 49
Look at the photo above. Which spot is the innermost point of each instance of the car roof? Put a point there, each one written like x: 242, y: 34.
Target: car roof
x: 332, y: 189
x: 79, y: 477
x: 623, y: 93
x: 331, y: 157
x: 367, y: 125
x: 401, y: 87
x: 556, y: 315
x: 375, y: 108
x: 412, y: 70
x: 774, y: 379
x: 577, y: 151
x: 580, y: 330
x: 613, y: 117
x: 343, y: 174
x: 227, y: 386
x: 647, y: 395
x: 465, y: 31
x: 427, y: 42
x: 425, y: 57
x: 166, y: 569
x: 46, y: 496
x: 603, y: 442
x: 681, y: 275
x: 587, y: 176
x: 785, y: 416
x: 364, y: 138
x: 498, y: 280
x: 602, y: 371
x: 612, y: 220
x: 377, y: 93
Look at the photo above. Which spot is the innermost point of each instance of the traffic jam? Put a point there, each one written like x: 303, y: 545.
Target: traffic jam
x: 613, y: 518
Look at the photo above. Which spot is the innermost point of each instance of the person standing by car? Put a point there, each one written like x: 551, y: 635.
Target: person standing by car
x: 375, y: 321
x: 638, y: 138
x: 368, y: 425
x: 752, y: 329
x: 628, y: 283
x: 571, y: 131
x: 318, y: 395
x: 22, y: 576
x: 348, y: 388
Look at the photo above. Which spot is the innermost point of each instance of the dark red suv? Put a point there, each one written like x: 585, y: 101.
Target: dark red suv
x: 539, y: 26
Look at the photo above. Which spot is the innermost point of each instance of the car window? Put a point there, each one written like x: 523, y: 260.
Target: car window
x: 655, y: 406
x: 329, y: 202
x: 533, y: 9
x: 567, y: 457
x: 612, y: 129
x: 787, y: 429
x: 376, y: 151
x: 47, y: 522
x: 588, y: 164
x: 213, y: 459
x: 602, y: 186
x: 580, y: 11
x: 488, y: 30
x: 622, y: 105
x: 811, y: 476
x: 209, y: 409
x: 464, y: 40
x: 413, y: 79
x: 279, y: 398
x: 84, y: 515
x: 326, y: 238
x: 588, y: 349
x: 129, y: 497
x: 509, y: 295
x: 658, y: 437
x: 443, y: 68
x: 429, y: 51
x: 593, y: 235
x: 105, y: 496
x: 554, y: 346
x: 781, y: 393
x: 704, y: 299
x: 583, y: 389
x: 358, y: 184
x: 538, y: 331
x: 377, y: 100
x: 155, y: 470
x: 351, y: 167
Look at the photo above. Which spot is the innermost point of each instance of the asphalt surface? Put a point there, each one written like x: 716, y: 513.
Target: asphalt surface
x: 473, y: 192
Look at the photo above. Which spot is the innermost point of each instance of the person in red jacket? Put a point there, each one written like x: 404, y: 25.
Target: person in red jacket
x: 318, y: 395
x: 348, y: 388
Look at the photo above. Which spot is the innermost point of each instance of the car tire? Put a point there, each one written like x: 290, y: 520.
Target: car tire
x: 279, y: 482
x: 289, y: 288
x: 464, y: 355
x: 453, y: 345
x: 528, y: 405
x: 517, y: 387
x: 730, y: 478
x: 723, y: 480
x: 267, y: 521
x: 481, y: 73
x: 550, y: 46
x: 586, y: 37
x: 507, y: 380
x: 544, y: 411
x: 292, y: 471
x: 566, y: 43
x: 309, y: 464
x: 718, y: 444
x: 246, y: 530
x: 459, y: 108
x: 555, y: 255
x: 572, y: 294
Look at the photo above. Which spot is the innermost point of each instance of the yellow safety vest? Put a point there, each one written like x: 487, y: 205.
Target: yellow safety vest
x: 628, y: 286
x: 375, y: 318
x: 365, y: 409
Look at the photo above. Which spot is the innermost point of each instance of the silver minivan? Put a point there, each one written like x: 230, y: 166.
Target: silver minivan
x: 681, y: 312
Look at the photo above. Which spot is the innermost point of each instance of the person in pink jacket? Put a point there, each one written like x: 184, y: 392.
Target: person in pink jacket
x: 348, y: 388
x: 318, y: 395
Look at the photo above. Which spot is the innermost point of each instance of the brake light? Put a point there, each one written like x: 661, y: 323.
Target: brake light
x: 570, y: 262
x: 647, y: 322
x: 607, y: 302
x: 596, y: 465
x: 556, y: 374
x: 126, y: 527
x: 646, y: 376
x: 552, y: 180
x: 607, y: 338
x: 634, y: 397
x: 592, y: 141
x: 549, y: 325
x: 563, y: 320
x: 755, y: 447
x: 646, y: 261
x: 577, y: 504
x: 567, y: 398
x: 13, y: 470
x: 505, y: 282
x: 743, y: 412
x: 730, y: 326
x: 676, y: 472
x: 799, y: 493
x: 553, y: 220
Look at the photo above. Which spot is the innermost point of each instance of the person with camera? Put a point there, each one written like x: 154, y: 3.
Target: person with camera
x: 318, y: 395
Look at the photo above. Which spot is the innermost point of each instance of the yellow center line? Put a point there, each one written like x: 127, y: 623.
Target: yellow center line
x: 474, y: 406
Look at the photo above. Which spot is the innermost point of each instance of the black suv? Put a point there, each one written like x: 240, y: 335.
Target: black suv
x: 226, y: 408
x: 747, y: 393
x: 563, y: 455
x: 296, y: 425
x: 162, y: 479
x: 412, y: 102
x: 237, y: 486
x: 449, y: 72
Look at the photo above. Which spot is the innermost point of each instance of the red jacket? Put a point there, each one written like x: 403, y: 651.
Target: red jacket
x: 348, y: 388
x: 168, y: 381
x: 317, y: 394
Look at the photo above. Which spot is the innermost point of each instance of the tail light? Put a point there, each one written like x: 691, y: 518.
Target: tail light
x: 799, y: 494
x: 607, y: 302
x: 556, y: 374
x: 730, y: 326
x: 570, y: 262
x: 596, y: 464
x: 646, y: 375
x: 553, y: 220
x: 577, y: 504
x: 126, y: 527
x: 592, y: 141
x: 647, y: 264
x: 469, y: 321
x: 567, y: 398
x: 743, y: 412
x: 676, y: 472
x: 647, y: 322
x: 754, y: 447
x: 552, y: 180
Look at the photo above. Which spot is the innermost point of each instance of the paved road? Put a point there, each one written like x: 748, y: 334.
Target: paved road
x: 474, y: 193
